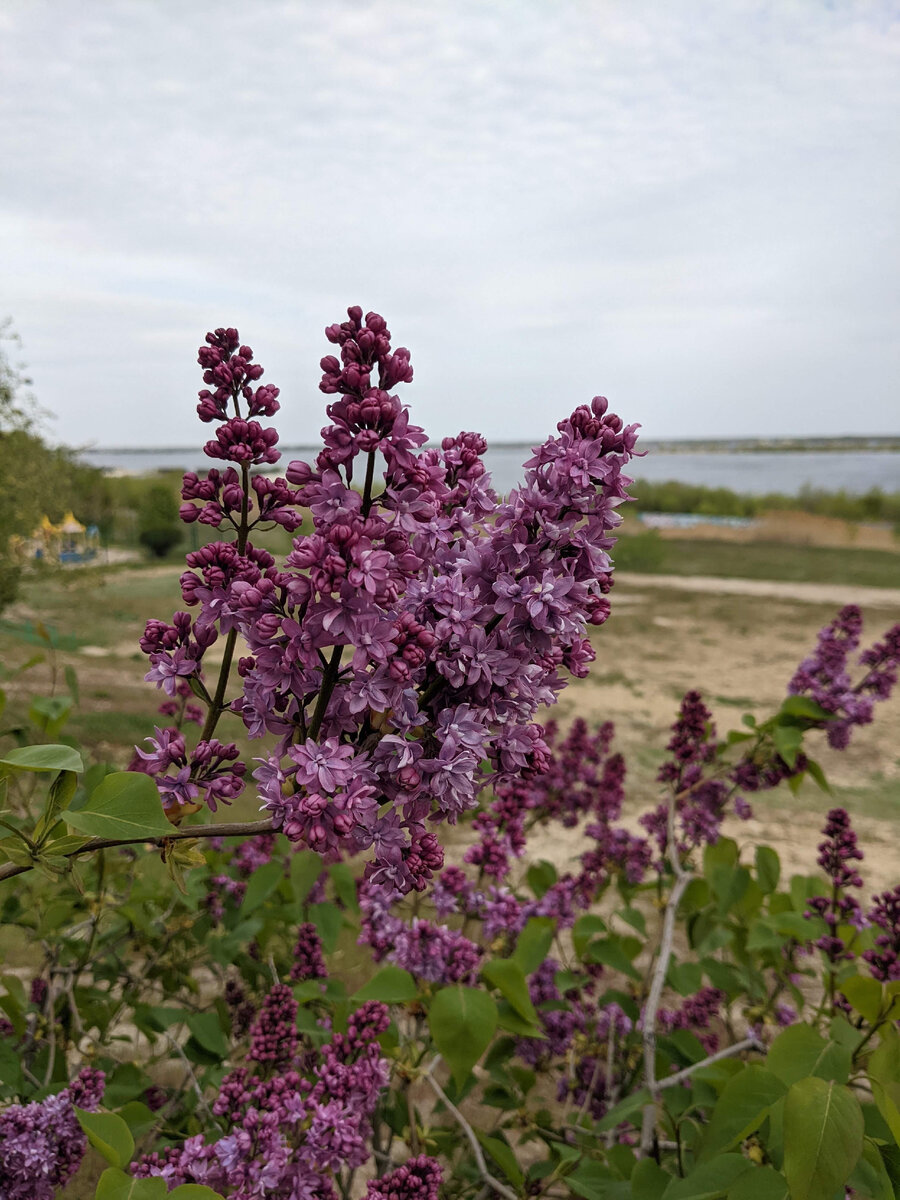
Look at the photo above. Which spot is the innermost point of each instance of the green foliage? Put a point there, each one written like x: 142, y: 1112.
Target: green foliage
x: 673, y: 496
x: 159, y: 529
x: 800, y: 1112
x: 462, y: 1021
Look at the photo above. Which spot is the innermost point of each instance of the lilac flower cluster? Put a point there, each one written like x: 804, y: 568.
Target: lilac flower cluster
x: 287, y: 1134
x: 884, y: 957
x: 825, y: 674
x: 419, y: 1178
x: 42, y: 1144
x: 696, y: 1014
x: 427, y: 950
x: 837, y: 855
x: 700, y: 799
x: 401, y: 653
x: 273, y: 1035
x: 308, y: 961
x: 598, y: 1033
x: 211, y: 769
x: 179, y: 708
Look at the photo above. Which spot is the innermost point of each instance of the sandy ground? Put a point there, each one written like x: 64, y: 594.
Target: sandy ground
x: 803, y: 593
x: 739, y: 642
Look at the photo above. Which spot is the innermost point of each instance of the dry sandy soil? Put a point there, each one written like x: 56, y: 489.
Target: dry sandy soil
x: 738, y: 642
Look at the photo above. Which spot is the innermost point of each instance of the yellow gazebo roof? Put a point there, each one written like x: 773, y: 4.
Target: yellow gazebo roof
x: 70, y: 524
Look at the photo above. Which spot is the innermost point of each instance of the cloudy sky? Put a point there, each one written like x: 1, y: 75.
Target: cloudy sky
x: 691, y: 207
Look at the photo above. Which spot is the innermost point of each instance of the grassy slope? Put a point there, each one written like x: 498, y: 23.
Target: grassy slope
x: 758, y: 560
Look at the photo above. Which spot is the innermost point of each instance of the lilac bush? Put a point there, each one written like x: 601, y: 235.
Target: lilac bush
x: 344, y: 1003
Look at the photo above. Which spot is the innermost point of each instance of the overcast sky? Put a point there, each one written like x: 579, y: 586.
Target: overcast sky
x: 689, y: 207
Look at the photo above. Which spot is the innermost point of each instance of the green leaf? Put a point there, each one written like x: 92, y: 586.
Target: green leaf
x: 768, y: 868
x: 462, y: 1021
x: 124, y: 805
x: 540, y: 877
x: 815, y: 772
x: 127, y: 1082
x: 648, y: 1180
x: 116, y: 1185
x: 788, y: 739
x: 741, y: 1109
x: 391, y: 984
x: 328, y: 920
x: 870, y: 1178
x: 11, y: 1068
x: 509, y: 979
x: 685, y: 977
x: 884, y: 1076
x: 207, y: 1029
x: 43, y: 758
x: 635, y: 918
x: 62, y: 789
x: 138, y: 1117
x: 804, y: 708
x: 584, y: 929
x: 344, y: 885
x: 823, y: 1138
x: 509, y: 1019
x: 306, y: 867
x: 710, y: 1180
x: 503, y: 1157
x: 261, y: 884
x: 71, y: 681
x: 108, y: 1134
x: 864, y: 994
x: 625, y: 1110
x: 594, y: 1181
x: 193, y: 1191
x: 799, y: 1051
x: 611, y: 953
x: 533, y: 943
x: 762, y: 1183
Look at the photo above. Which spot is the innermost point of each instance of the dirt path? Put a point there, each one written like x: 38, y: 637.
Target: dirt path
x: 804, y: 593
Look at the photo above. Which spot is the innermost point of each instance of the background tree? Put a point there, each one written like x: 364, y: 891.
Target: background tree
x: 36, y: 478
x: 158, y: 527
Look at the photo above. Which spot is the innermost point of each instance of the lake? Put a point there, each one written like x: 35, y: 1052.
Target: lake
x: 755, y: 473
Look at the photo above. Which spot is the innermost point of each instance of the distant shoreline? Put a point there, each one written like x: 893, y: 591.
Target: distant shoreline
x: 818, y: 445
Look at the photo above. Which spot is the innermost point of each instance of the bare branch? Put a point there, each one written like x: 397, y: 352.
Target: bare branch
x: 226, y: 829
x: 467, y: 1129
x: 658, y: 981
x: 748, y: 1043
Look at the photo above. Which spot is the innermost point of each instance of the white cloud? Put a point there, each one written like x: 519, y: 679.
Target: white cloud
x: 688, y: 207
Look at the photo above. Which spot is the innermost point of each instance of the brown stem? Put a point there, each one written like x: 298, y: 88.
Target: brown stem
x: 226, y: 829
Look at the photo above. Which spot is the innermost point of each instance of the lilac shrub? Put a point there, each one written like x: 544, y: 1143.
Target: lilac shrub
x: 400, y: 654
x: 392, y: 668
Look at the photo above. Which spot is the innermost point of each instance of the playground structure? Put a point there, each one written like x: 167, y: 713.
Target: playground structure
x: 67, y: 542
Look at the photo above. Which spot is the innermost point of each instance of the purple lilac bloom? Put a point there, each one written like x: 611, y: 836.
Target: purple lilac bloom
x: 42, y: 1144
x: 286, y: 1133
x: 825, y: 674
x: 419, y: 1178
x: 273, y: 1036
x: 308, y: 961
x: 884, y: 957
x: 838, y: 854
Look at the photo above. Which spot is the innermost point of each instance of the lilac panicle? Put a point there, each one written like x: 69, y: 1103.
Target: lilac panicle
x: 42, y: 1144
x: 419, y: 1178
x: 838, y: 854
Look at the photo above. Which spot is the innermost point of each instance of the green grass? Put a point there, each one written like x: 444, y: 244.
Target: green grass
x: 758, y: 560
